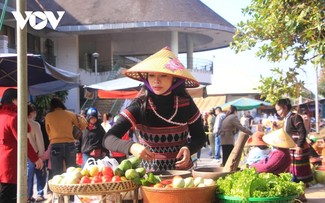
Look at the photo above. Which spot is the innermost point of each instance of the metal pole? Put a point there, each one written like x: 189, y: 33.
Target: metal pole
x: 96, y: 69
x: 317, y: 103
x: 96, y: 55
x: 22, y: 107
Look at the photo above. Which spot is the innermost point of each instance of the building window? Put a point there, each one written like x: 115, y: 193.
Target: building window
x: 49, y: 52
x: 33, y: 44
x: 10, y: 32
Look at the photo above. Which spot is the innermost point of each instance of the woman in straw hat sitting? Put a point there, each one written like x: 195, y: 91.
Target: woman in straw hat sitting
x: 279, y: 159
x: 164, y: 114
x: 258, y: 148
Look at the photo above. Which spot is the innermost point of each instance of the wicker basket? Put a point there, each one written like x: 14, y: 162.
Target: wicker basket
x: 178, y: 195
x: 228, y: 199
x: 93, y: 188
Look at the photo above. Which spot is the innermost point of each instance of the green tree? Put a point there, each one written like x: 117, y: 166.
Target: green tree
x: 283, y: 30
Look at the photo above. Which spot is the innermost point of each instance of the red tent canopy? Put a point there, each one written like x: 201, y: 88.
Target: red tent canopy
x: 114, y: 94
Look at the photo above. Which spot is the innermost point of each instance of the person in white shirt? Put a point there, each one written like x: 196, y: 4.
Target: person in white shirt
x: 107, y: 121
x: 216, y: 130
x: 35, y: 138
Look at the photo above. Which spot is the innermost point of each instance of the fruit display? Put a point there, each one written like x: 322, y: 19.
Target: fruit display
x: 179, y: 189
x: 179, y: 182
x: 130, y: 176
x: 131, y: 170
x: 92, y: 180
x: 128, y: 170
x: 77, y: 175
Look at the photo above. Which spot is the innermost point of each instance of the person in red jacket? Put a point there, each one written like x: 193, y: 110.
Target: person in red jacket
x: 8, y: 148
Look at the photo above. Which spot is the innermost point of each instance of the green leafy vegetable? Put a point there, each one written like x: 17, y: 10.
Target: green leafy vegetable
x: 248, y: 183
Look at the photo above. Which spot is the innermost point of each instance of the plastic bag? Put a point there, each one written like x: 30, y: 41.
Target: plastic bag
x: 106, y: 161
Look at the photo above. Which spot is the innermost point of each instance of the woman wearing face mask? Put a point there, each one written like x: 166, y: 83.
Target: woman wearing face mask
x: 90, y: 143
x: 294, y: 126
x: 164, y: 114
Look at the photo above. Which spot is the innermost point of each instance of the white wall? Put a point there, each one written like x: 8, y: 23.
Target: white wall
x: 67, y: 58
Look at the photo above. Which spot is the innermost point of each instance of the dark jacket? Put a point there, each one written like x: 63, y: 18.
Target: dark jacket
x: 91, y: 139
x: 296, y: 129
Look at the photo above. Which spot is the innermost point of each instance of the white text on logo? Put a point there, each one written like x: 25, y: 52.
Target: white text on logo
x: 44, y: 17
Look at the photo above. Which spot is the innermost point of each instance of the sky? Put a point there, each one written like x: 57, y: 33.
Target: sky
x: 244, y: 64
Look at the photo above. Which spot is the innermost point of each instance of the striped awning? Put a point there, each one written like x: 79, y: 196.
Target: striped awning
x: 205, y: 104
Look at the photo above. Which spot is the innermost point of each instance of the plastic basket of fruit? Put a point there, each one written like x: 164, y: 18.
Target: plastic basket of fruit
x: 228, y: 199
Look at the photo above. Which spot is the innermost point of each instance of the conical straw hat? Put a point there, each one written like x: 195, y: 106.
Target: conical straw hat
x: 279, y: 138
x: 165, y: 62
x: 256, y: 139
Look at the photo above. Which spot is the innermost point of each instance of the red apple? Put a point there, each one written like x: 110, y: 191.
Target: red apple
x: 96, y: 179
x: 106, y: 170
x: 116, y: 179
x: 106, y: 179
x: 85, y: 180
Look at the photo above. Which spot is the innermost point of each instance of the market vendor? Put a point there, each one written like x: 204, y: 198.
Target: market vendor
x: 164, y: 114
x: 258, y: 149
x: 279, y: 159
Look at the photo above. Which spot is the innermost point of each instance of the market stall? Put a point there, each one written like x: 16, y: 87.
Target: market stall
x: 202, y: 184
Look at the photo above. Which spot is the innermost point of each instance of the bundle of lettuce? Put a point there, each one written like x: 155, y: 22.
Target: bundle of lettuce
x: 248, y: 183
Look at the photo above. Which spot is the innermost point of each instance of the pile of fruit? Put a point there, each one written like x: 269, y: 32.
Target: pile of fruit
x: 128, y: 170
x: 94, y: 174
x: 179, y: 182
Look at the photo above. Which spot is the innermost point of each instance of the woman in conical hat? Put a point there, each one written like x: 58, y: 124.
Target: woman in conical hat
x: 279, y: 159
x: 164, y: 115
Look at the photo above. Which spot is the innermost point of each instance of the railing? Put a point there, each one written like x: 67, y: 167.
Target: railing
x: 202, y: 65
x: 202, y: 69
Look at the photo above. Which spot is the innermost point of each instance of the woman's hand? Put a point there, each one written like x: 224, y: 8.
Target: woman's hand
x: 39, y: 164
x: 142, y: 152
x: 298, y: 150
x: 185, y: 154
